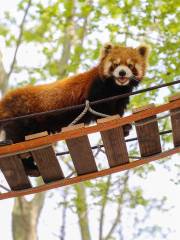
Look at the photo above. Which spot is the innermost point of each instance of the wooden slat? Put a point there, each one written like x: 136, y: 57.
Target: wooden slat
x: 143, y: 108
x: 36, y: 135
x: 39, y: 142
x: 148, y: 134
x: 114, y: 143
x: 46, y: 160
x: 47, y: 163
x: 174, y: 97
x: 81, y: 153
x: 70, y: 181
x: 14, y: 173
x: 175, y: 120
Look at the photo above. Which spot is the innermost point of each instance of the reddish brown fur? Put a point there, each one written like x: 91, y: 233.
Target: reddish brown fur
x: 113, y: 53
x: 29, y: 99
x: 67, y: 92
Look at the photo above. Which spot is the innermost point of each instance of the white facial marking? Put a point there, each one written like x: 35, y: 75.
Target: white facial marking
x: 129, y: 61
x: 139, y: 69
x: 2, y: 135
x: 122, y: 83
x: 107, y: 67
x: 117, y: 61
x: 122, y: 80
x: 124, y: 68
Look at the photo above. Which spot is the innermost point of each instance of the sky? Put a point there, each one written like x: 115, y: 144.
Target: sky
x: 157, y: 183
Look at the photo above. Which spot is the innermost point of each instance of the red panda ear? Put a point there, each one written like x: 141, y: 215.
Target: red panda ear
x: 144, y: 50
x: 105, y: 50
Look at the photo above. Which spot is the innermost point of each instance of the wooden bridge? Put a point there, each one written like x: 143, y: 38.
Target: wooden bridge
x: 40, y: 147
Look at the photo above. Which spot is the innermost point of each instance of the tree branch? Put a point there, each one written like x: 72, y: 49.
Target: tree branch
x: 64, y: 212
x: 119, y: 207
x: 82, y: 210
x: 67, y: 43
x: 3, y: 74
x: 21, y: 27
x: 72, y: 39
x: 80, y: 41
x: 104, y: 202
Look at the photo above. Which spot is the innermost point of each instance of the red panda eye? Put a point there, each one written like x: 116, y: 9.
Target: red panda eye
x: 116, y: 65
x: 111, y: 68
x: 130, y: 65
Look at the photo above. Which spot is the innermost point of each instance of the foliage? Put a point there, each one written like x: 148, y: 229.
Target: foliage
x: 73, y: 31
x: 65, y: 37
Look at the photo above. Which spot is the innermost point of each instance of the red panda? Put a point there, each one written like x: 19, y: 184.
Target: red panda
x: 118, y: 67
x: 119, y: 70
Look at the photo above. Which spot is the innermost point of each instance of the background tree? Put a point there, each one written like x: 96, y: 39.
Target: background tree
x: 65, y: 37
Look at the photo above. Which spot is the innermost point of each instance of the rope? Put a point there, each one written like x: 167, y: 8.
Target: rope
x: 6, y: 142
x: 71, y: 174
x: 88, y: 108
x: 5, y: 188
x: 133, y: 93
x: 156, y: 119
x: 95, y: 103
x: 83, y: 113
x: 101, y: 145
x: 98, y: 113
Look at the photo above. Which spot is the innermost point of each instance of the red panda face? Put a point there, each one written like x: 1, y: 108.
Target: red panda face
x: 123, y: 64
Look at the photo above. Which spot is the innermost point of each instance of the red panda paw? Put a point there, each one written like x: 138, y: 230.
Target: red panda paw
x: 126, y: 129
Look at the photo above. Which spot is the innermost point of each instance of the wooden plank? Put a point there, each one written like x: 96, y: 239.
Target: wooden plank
x: 89, y: 176
x: 39, y: 142
x: 46, y: 160
x: 148, y: 134
x: 114, y: 143
x: 36, y: 135
x: 175, y: 121
x: 47, y: 163
x: 14, y: 173
x: 142, y: 108
x: 174, y: 97
x: 81, y: 153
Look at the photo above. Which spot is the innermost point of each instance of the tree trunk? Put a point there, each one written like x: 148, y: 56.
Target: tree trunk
x: 67, y: 42
x: 3, y: 75
x: 25, y: 217
x: 82, y: 211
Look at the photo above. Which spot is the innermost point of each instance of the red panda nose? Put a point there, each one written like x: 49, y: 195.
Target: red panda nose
x: 122, y: 73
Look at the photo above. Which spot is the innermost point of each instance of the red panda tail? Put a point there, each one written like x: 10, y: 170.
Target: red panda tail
x: 3, y: 113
